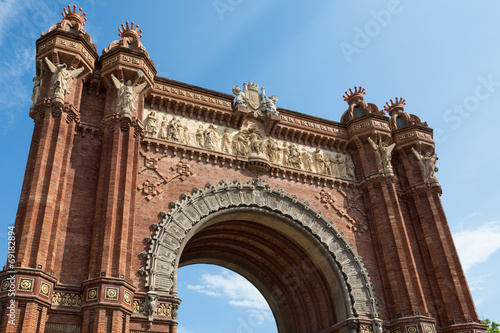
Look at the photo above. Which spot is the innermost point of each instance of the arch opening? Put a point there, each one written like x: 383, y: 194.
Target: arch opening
x: 302, y: 265
x: 222, y: 300
x: 292, y: 272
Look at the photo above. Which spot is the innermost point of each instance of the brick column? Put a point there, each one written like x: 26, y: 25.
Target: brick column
x: 396, y: 262
x: 450, y: 300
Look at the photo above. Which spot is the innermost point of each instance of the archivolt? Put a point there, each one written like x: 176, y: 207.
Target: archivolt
x: 171, y: 234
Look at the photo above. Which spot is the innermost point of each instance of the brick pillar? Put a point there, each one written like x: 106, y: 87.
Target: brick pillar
x: 30, y: 320
x: 42, y: 208
x: 117, y: 322
x: 122, y: 131
x: 43, y: 319
x: 63, y: 63
x: 396, y: 263
x: 115, y: 213
x: 450, y: 299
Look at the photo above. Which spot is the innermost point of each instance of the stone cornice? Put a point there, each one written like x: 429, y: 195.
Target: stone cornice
x: 421, y: 190
x: 125, y: 122
x: 56, y: 107
x: 69, y: 42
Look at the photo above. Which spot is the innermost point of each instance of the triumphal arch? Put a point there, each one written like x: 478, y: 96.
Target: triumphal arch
x: 131, y: 176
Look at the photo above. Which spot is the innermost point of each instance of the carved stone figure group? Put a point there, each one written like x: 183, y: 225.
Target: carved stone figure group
x: 256, y: 102
x: 250, y: 141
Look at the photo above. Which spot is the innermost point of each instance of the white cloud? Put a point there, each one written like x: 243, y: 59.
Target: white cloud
x: 181, y: 329
x: 476, y: 245
x: 235, y: 288
x: 8, y: 10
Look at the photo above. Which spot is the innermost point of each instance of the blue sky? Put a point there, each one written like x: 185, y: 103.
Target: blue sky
x: 441, y: 56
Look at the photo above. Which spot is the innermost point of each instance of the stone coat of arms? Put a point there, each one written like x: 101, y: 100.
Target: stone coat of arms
x: 256, y: 102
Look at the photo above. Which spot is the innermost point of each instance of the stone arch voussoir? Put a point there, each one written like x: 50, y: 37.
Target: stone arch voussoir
x: 170, y: 235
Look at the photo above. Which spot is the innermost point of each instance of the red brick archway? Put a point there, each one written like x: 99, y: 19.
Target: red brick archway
x: 113, y: 144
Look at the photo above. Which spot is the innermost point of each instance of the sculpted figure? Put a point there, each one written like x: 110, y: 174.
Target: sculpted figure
x: 151, y: 124
x: 319, y: 161
x: 62, y: 77
x: 384, y: 152
x: 240, y: 144
x: 255, y: 142
x: 295, y: 159
x: 211, y: 138
x: 427, y: 163
x: 332, y: 161
x: 37, y: 82
x: 271, y: 104
x: 227, y: 142
x: 200, y: 136
x: 164, y: 128
x: 328, y: 165
x: 127, y: 93
x: 349, y: 165
x: 272, y: 150
x: 240, y: 98
x: 185, y: 135
x: 341, y: 167
x: 151, y: 304
x: 286, y: 154
x: 307, y: 160
x: 174, y: 130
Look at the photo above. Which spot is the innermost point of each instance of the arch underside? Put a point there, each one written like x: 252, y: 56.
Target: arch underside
x: 302, y: 265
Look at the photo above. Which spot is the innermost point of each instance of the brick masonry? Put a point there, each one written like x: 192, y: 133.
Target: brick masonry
x: 91, y: 200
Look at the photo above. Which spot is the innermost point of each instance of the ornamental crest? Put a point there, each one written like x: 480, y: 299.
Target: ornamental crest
x: 256, y: 102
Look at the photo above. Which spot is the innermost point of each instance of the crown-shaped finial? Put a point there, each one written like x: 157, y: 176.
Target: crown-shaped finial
x: 358, y: 92
x: 68, y: 14
x: 253, y: 86
x: 130, y: 30
x: 393, y: 106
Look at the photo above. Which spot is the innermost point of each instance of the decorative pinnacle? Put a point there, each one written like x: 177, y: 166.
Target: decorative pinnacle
x: 130, y: 30
x: 358, y: 92
x: 398, y: 104
x: 68, y: 14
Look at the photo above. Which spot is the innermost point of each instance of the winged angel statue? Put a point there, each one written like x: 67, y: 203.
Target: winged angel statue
x: 384, y: 152
x: 128, y: 91
x: 62, y: 77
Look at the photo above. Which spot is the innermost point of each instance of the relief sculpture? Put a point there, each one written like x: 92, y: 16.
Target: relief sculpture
x: 248, y: 141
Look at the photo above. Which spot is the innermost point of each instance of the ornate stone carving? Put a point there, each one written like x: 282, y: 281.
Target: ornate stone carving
x: 399, y: 118
x: 62, y: 299
x: 37, y: 82
x: 211, y: 138
x: 181, y: 170
x: 249, y: 141
x: 177, y: 223
x: 427, y: 164
x: 256, y: 102
x: 62, y: 78
x: 227, y: 142
x: 73, y: 22
x: 349, y: 203
x: 384, y: 152
x: 151, y: 304
x: 130, y: 38
x: 377, y: 326
x: 151, y: 124
x: 128, y: 91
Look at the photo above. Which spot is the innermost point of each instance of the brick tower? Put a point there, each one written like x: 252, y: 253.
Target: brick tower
x: 131, y: 176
